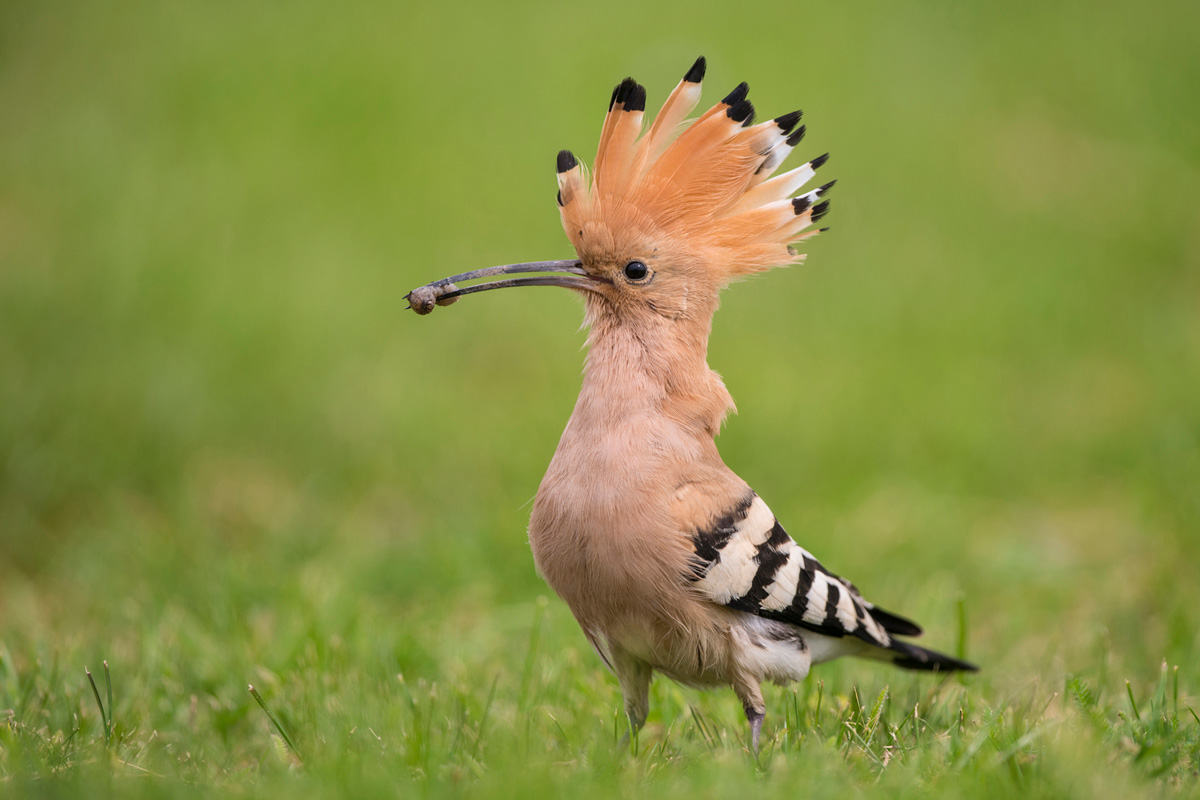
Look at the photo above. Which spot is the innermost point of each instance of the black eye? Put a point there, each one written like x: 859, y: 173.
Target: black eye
x: 636, y: 271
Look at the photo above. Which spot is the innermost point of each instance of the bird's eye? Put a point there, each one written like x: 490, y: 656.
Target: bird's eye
x: 636, y: 271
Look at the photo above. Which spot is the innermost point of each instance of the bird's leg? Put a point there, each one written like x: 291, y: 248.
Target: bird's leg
x: 756, y: 720
x: 634, y: 677
x: 752, y: 702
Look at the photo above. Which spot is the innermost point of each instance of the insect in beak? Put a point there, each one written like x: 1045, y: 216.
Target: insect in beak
x: 445, y: 292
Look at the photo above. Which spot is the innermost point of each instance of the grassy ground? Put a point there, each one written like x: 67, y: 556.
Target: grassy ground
x: 227, y: 458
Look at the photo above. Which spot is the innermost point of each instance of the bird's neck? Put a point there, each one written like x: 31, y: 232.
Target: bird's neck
x: 653, y: 367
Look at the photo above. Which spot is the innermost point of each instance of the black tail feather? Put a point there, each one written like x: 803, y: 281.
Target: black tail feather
x: 909, y: 656
x: 895, y: 624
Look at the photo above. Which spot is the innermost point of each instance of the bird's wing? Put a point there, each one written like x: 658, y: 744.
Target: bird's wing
x: 745, y: 560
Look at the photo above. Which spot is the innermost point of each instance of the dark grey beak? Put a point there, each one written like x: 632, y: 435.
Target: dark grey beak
x: 444, y: 292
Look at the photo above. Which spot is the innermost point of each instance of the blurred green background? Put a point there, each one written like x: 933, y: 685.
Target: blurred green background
x: 228, y: 455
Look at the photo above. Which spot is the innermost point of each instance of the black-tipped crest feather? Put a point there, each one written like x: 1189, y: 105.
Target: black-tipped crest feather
x: 635, y: 100
x: 740, y: 111
x: 788, y: 121
x: 737, y: 95
x: 622, y: 91
x: 566, y: 161
x: 696, y: 73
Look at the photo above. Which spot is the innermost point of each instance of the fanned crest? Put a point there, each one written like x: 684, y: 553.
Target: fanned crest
x: 705, y: 187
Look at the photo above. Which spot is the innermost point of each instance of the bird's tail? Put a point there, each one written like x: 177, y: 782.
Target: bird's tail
x: 910, y: 656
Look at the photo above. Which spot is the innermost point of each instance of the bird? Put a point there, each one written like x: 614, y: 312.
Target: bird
x: 668, y: 560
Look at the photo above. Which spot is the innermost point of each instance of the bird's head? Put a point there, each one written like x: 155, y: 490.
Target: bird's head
x: 669, y: 217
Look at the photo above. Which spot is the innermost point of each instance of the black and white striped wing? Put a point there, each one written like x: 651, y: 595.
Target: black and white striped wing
x: 745, y: 560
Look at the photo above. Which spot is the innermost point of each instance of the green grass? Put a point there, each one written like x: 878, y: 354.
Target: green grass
x: 228, y: 459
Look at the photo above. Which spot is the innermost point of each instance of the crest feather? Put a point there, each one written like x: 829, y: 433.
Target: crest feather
x: 708, y: 190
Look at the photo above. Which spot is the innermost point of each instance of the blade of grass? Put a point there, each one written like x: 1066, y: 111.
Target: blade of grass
x: 96, y: 692
x: 876, y: 714
x: 558, y: 726
x: 263, y: 704
x: 1132, y: 702
x: 960, y: 647
x: 483, y: 720
x: 108, y: 688
x: 817, y: 711
x: 701, y: 726
x: 539, y: 611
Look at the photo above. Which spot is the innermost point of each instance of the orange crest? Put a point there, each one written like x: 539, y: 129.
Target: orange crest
x: 703, y: 188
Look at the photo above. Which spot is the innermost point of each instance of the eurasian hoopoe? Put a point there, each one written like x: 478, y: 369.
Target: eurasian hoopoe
x: 667, y: 559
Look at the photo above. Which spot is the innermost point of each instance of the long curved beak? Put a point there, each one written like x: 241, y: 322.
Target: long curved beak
x: 445, y: 291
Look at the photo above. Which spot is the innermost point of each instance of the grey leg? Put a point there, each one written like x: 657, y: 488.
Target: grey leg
x: 756, y: 720
x: 752, y: 702
x: 634, y: 677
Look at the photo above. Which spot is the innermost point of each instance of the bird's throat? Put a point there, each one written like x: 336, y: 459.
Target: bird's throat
x: 657, y: 369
